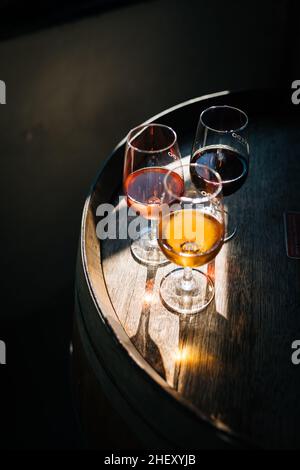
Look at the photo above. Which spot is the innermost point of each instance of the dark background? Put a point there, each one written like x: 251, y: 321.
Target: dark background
x: 79, y: 75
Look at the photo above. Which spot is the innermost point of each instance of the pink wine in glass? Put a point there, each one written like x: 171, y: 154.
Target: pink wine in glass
x: 144, y: 189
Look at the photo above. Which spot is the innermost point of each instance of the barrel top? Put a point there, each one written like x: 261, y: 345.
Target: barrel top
x: 231, y: 364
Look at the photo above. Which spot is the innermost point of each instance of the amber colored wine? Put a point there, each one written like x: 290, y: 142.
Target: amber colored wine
x: 190, y: 237
x: 144, y: 190
x: 231, y: 165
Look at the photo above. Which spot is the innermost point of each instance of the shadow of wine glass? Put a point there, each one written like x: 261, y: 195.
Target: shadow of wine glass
x: 207, y: 366
x: 142, y: 339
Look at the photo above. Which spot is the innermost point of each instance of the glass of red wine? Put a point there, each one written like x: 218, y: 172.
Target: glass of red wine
x: 221, y: 143
x: 151, y: 152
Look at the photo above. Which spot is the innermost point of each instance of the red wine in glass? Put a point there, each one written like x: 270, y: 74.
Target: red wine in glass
x: 229, y: 163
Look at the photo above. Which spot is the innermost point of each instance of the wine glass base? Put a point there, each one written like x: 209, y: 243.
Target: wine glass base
x: 147, y: 251
x: 186, y: 301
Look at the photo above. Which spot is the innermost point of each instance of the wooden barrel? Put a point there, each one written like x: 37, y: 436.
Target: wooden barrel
x: 220, y: 379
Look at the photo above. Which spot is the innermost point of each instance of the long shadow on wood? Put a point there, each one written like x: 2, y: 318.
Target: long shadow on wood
x: 207, y: 359
x: 142, y: 339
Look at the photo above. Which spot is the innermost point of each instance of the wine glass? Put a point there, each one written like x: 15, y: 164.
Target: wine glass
x: 191, y: 234
x: 221, y: 143
x: 151, y: 152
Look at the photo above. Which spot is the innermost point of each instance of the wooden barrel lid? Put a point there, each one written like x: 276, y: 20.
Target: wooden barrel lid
x: 223, y: 377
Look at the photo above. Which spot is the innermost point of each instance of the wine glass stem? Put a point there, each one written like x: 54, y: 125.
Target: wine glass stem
x: 153, y: 231
x: 187, y: 279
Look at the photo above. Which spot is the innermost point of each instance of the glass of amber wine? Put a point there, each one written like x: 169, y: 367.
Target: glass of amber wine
x: 151, y: 153
x: 191, y: 234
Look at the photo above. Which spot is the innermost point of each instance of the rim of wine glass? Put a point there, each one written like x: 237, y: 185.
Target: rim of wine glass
x: 199, y: 199
x: 144, y: 126
x: 238, y: 129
